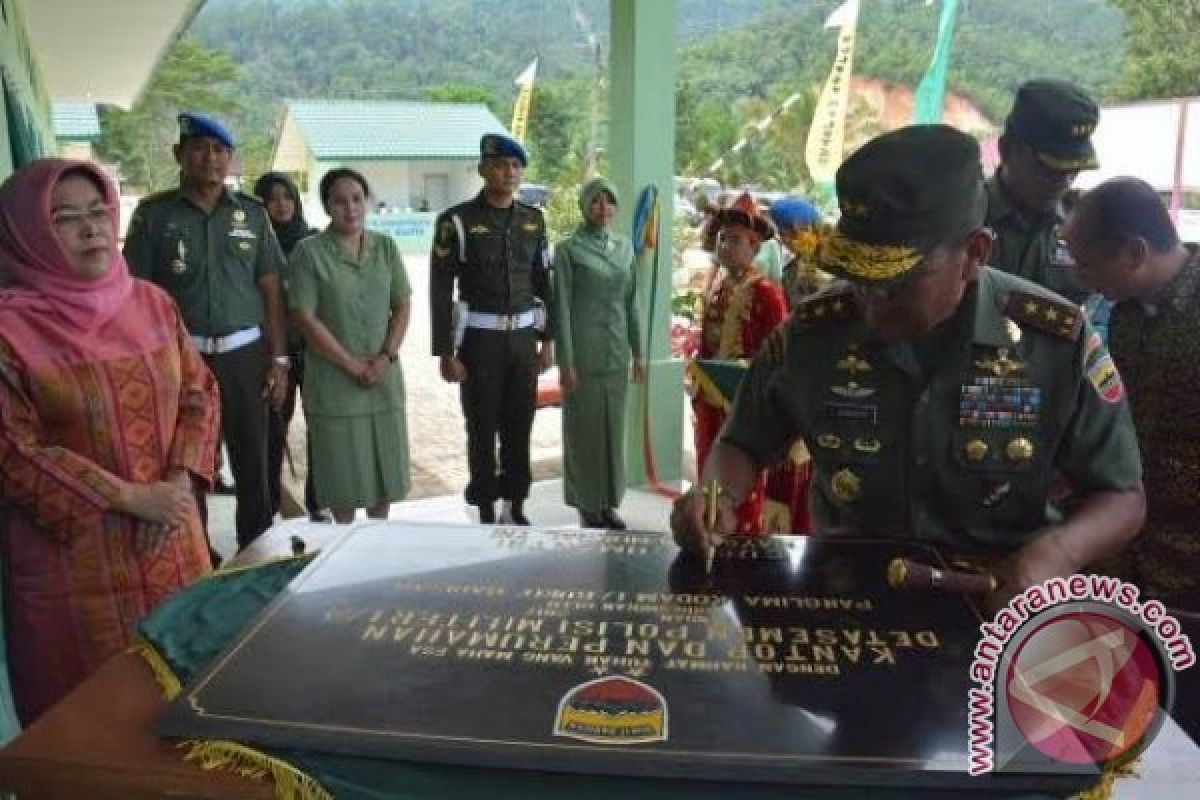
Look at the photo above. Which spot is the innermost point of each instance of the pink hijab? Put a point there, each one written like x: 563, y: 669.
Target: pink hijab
x: 39, y: 292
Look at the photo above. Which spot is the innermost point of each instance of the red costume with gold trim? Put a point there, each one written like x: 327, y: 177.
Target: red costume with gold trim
x: 740, y: 312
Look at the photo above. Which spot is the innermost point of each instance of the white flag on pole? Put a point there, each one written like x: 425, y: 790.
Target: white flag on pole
x: 843, y: 16
x: 525, y: 79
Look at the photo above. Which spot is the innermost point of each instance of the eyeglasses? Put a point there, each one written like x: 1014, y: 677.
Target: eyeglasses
x: 76, y: 218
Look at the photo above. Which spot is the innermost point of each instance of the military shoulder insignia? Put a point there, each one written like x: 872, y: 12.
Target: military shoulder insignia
x: 1101, y: 371
x: 479, y: 229
x: 153, y: 199
x: 825, y: 308
x: 157, y: 196
x: 1048, y: 315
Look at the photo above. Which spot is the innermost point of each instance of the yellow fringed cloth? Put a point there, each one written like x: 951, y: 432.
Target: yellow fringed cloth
x: 188, y: 630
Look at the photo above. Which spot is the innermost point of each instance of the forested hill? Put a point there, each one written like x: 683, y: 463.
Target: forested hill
x: 738, y: 59
x: 397, y: 48
x: 997, y: 46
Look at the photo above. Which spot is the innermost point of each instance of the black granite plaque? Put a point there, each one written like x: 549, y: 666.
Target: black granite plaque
x: 609, y: 653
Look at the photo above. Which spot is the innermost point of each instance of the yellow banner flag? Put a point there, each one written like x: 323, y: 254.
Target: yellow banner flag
x: 520, y: 119
x: 826, y: 134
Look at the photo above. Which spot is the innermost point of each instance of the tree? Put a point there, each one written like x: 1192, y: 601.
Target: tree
x: 461, y: 93
x: 734, y: 55
x: 139, y: 141
x: 558, y: 130
x: 1161, y: 57
x: 704, y: 128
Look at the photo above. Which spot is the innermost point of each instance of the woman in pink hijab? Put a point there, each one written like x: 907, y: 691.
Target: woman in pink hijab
x: 108, y: 421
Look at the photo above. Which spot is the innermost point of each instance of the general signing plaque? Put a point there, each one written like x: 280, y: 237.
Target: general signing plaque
x: 605, y: 653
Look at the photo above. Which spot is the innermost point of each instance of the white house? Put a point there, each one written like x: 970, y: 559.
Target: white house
x: 416, y: 156
x: 76, y: 128
x: 1159, y: 142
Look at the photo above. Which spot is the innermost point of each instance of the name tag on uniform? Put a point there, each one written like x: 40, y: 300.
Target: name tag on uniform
x: 857, y: 412
x: 243, y: 233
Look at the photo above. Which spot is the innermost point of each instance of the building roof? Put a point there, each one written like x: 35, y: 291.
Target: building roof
x: 76, y: 120
x: 103, y: 51
x: 365, y: 131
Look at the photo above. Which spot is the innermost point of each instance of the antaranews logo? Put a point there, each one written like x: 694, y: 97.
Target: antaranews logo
x: 1077, y: 668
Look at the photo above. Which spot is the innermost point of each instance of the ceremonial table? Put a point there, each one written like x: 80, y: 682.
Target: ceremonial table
x: 595, y: 663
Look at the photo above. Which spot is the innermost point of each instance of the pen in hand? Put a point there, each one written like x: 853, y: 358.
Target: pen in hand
x: 712, y: 494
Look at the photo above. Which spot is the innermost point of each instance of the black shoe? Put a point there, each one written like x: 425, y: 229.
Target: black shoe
x: 591, y: 519
x: 487, y: 513
x: 320, y: 516
x: 611, y: 521
x: 518, y: 513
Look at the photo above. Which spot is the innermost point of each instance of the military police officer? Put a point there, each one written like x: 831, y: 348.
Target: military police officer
x: 497, y: 338
x: 214, y: 251
x: 939, y: 398
x: 1045, y: 144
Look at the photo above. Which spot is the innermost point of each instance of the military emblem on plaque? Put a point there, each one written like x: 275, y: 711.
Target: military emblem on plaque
x: 612, y: 710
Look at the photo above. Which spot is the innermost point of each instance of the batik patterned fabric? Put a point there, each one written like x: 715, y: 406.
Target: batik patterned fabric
x: 741, y: 312
x: 72, y: 428
x: 1157, y: 349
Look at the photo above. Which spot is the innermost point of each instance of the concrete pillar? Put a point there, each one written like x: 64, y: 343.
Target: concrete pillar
x: 641, y: 151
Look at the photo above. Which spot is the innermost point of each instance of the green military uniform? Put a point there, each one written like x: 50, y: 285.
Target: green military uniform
x: 358, y: 434
x: 955, y: 440
x: 211, y: 265
x: 955, y: 437
x: 1056, y: 120
x: 1031, y: 247
x: 499, y: 260
x: 595, y: 292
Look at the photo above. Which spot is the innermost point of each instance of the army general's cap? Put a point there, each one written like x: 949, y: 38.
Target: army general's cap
x: 199, y: 125
x: 497, y: 144
x: 1056, y: 119
x: 902, y: 194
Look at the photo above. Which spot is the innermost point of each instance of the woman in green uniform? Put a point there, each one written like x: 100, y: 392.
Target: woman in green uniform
x: 596, y: 295
x: 349, y: 295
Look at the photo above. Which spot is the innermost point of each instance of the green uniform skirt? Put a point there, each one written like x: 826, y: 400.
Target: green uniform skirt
x: 358, y: 461
x: 594, y: 442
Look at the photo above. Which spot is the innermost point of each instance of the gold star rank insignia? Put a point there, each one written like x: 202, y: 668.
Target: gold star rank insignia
x: 1048, y: 315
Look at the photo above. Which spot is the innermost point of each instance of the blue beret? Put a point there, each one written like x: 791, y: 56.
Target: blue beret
x: 793, y: 212
x: 200, y: 125
x: 497, y: 144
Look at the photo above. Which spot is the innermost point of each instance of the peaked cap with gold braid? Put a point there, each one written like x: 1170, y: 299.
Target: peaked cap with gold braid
x: 902, y: 194
x: 1056, y: 119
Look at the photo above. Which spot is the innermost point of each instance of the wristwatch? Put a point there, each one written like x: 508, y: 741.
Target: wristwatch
x: 392, y: 357
x: 283, y: 361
